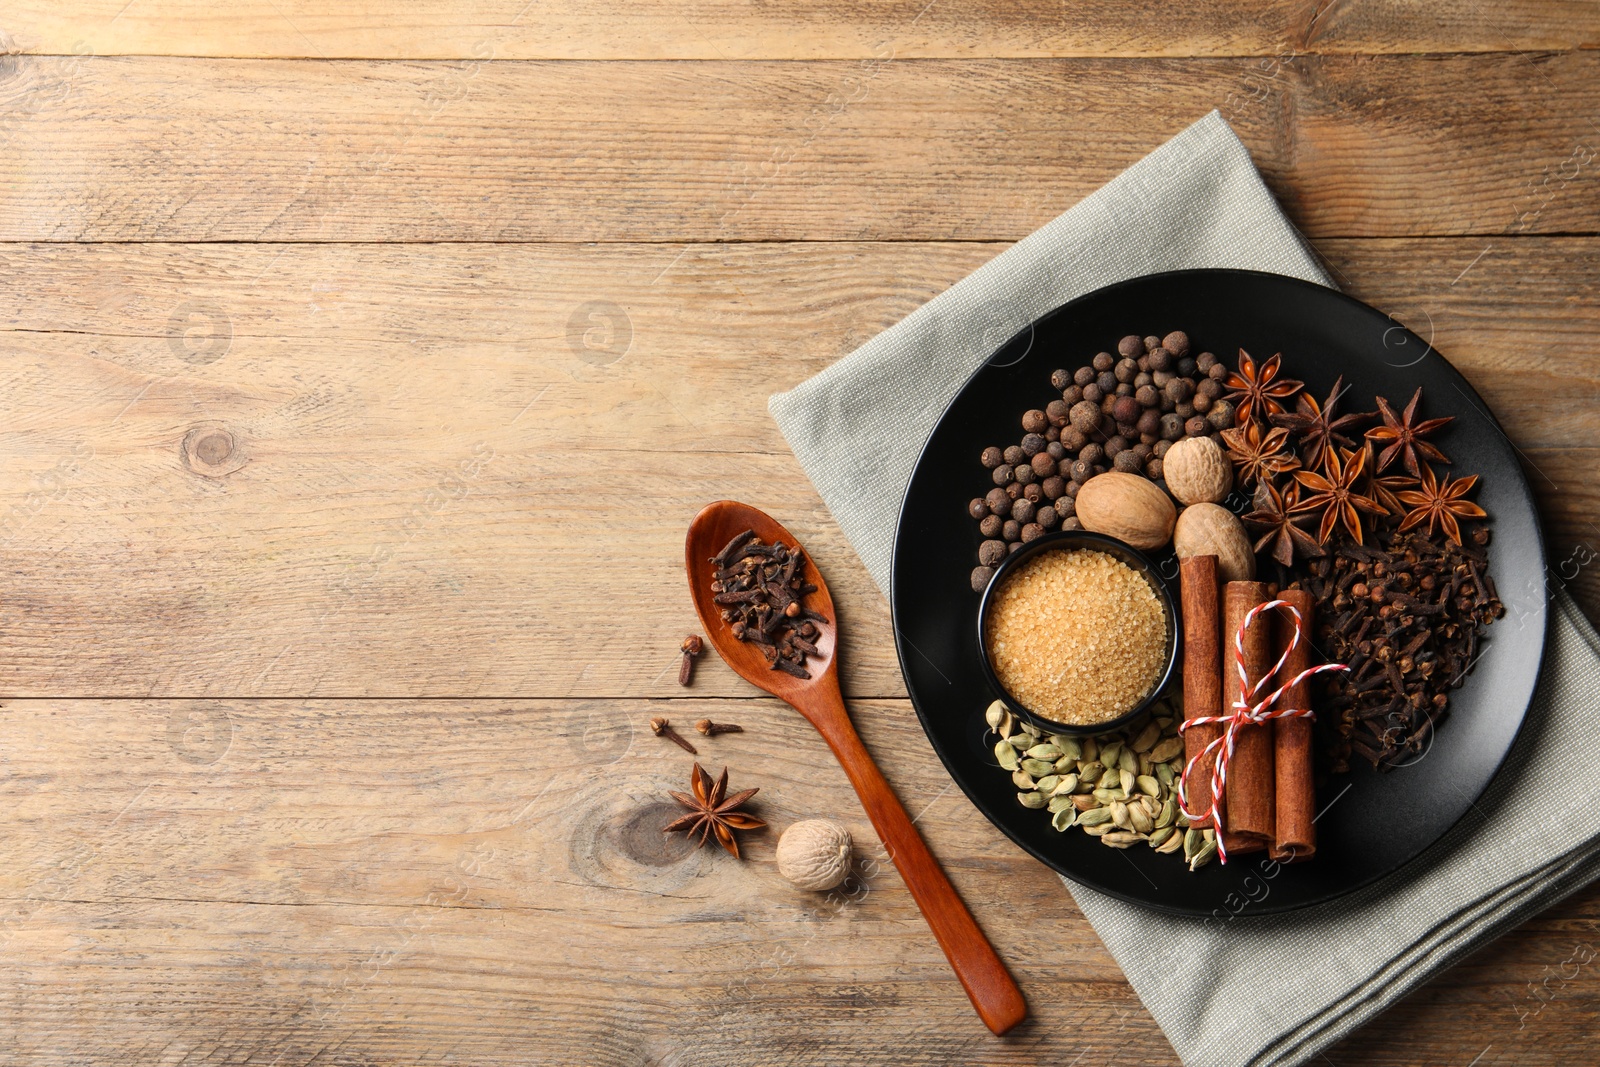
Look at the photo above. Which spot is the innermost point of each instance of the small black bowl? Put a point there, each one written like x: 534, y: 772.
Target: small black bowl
x: 1068, y: 539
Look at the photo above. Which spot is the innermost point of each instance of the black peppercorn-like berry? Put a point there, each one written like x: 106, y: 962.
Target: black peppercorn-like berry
x: 1147, y: 396
x: 1205, y: 361
x: 1161, y: 378
x: 1032, y: 492
x: 1178, y: 390
x: 1217, y: 371
x: 1144, y: 367
x: 1066, y: 507
x: 1060, y: 379
x: 1023, y: 473
x: 1070, y: 494
x: 1073, y: 523
x: 1128, y: 462
x: 1047, y: 518
x: 1176, y: 342
x: 1014, y: 455
x: 1160, y: 359
x: 1003, y: 474
x: 1103, y: 361
x: 1091, y: 454
x: 1184, y: 410
x: 1071, y: 395
x: 1152, y: 469
x: 1143, y: 451
x: 1052, y: 434
x: 1209, y: 388
x: 1082, y: 472
x: 1083, y: 376
x: 1221, y: 415
x: 1186, y: 367
x: 1171, y: 427
x: 1015, y: 546
x: 992, y: 457
x: 1196, y: 426
x: 1013, y: 490
x: 1055, y: 450
x: 1034, y: 421
x: 1044, y: 464
x: 1152, y: 343
x: 977, y: 508
x: 1033, y: 444
x: 1124, y: 388
x: 1107, y: 382
x: 1141, y: 380
x: 992, y: 552
x: 980, y: 578
x: 1149, y: 422
x: 1093, y: 394
x: 1117, y: 444
x: 1126, y: 409
x: 1012, y: 531
x: 999, y: 503
x: 1131, y: 345
x: 1201, y: 403
x: 1085, y: 419
x: 1032, y: 532
x: 1055, y: 412
x: 1023, y: 510
x: 1160, y: 448
x: 991, y: 525
x: 1125, y: 370
x: 1053, y: 487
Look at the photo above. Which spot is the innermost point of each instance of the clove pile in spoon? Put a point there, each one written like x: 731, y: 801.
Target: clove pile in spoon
x: 761, y: 590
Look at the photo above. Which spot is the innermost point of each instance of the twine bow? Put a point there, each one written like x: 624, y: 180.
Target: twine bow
x: 1244, y: 714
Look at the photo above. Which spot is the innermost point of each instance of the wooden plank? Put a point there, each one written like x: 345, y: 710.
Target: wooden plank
x: 120, y: 149
x: 246, y: 881
x: 748, y: 29
x: 435, y: 488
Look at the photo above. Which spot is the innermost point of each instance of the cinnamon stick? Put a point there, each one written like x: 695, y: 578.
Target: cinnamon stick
x: 1295, y: 838
x: 1252, y: 787
x: 1202, y: 684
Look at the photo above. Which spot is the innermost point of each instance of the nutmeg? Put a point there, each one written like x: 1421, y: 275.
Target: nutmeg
x: 1206, y: 529
x: 1197, y: 471
x: 814, y: 854
x: 1127, y: 507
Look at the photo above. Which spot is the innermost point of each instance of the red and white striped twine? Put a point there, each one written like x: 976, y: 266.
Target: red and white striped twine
x: 1244, y: 714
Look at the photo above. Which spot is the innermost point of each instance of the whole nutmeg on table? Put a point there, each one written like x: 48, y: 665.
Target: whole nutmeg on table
x: 1197, y: 471
x: 1127, y: 507
x: 1207, y: 529
x: 814, y: 854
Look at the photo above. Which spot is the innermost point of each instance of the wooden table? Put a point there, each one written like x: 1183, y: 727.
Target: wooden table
x: 362, y: 371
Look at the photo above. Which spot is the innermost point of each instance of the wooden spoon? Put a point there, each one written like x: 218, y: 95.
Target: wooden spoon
x: 987, y: 982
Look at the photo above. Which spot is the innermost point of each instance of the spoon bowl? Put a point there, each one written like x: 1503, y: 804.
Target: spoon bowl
x: 988, y: 984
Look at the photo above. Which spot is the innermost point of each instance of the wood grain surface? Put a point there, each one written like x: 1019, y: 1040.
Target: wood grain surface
x: 362, y: 365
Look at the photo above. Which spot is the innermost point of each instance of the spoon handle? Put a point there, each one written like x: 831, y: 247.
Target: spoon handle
x: 989, y: 985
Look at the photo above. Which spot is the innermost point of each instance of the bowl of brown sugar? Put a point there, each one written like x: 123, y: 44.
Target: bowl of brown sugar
x: 1078, y: 633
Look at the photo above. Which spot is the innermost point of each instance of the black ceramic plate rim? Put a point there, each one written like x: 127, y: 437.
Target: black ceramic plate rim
x: 945, y: 757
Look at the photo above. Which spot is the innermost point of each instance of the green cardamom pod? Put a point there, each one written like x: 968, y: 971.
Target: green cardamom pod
x: 1164, y: 773
x: 1038, y: 767
x: 1094, y: 817
x: 1098, y: 831
x: 1031, y: 800
x: 996, y: 715
x: 1119, y: 815
x: 1191, y: 843
x: 1166, y: 750
x: 1204, y: 856
x: 1110, y: 753
x: 1173, y: 843
x: 1147, y: 738
x: 1061, y: 804
x: 1091, y: 771
x: 1065, y: 764
x: 1047, y: 784
x: 1121, y: 840
x: 1169, y: 811
x: 1006, y: 755
x: 1161, y: 834
x: 1140, y: 818
x: 1127, y: 761
x: 1148, y: 785
x: 1068, y: 745
x: 1063, y: 818
x: 1128, y: 780
x: 1049, y: 752
x: 1068, y: 783
x: 1023, y: 780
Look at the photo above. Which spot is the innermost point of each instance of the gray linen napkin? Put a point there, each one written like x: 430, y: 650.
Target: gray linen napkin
x: 1262, y: 990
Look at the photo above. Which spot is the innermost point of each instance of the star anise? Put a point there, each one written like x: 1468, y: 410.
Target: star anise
x: 1318, y: 424
x: 1258, y: 390
x: 1440, y: 502
x: 1402, y: 434
x: 1335, y: 495
x: 1273, y: 516
x: 1384, y: 487
x: 710, y: 814
x: 1258, y: 458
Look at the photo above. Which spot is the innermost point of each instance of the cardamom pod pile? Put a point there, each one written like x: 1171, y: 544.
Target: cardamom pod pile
x: 1119, y: 786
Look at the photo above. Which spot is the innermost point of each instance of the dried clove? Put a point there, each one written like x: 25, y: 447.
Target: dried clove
x: 762, y: 589
x: 691, y: 647
x: 662, y: 728
x: 712, y: 729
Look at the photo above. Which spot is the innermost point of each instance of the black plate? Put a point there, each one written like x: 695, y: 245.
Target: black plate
x: 1372, y: 822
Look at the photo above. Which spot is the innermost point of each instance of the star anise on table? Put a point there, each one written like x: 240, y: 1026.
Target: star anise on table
x: 710, y: 813
x: 1334, y: 495
x: 1440, y: 502
x: 1401, y: 436
x: 1257, y: 391
x: 1273, y: 517
x: 1257, y: 457
x: 1319, y: 425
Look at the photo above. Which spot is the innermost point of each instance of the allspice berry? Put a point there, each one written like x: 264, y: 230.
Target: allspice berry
x: 814, y: 854
x: 992, y: 457
x: 980, y: 578
x: 990, y: 553
x: 1176, y: 342
x: 1085, y: 416
x: 1034, y: 421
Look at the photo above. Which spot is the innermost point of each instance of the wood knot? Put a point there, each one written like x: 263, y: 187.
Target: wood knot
x: 212, y: 451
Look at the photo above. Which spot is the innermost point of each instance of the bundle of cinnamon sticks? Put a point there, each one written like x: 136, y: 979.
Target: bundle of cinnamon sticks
x: 1269, y: 802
